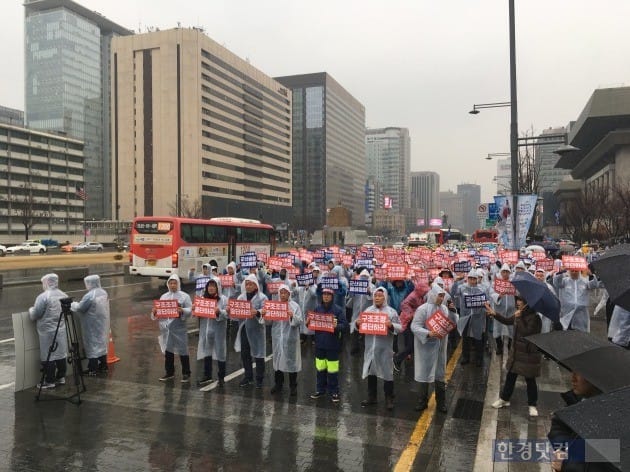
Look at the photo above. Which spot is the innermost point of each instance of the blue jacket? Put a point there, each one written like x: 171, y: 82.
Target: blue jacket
x: 331, y: 341
x: 396, y: 296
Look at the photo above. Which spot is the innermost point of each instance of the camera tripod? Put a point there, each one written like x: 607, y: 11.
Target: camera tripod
x: 74, y: 356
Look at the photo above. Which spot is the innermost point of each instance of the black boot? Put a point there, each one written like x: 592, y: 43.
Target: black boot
x: 440, y: 396
x: 499, y: 342
x: 423, y: 401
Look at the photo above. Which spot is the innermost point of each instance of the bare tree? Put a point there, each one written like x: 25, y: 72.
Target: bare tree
x: 188, y: 208
x: 581, y: 216
x: 22, y: 204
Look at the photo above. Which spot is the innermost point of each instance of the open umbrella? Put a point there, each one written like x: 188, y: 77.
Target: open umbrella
x: 537, y: 295
x: 563, y: 344
x: 603, y: 421
x: 613, y: 268
x: 607, y: 368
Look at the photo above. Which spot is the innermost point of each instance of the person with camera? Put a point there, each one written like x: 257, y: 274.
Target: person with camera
x: 51, y: 330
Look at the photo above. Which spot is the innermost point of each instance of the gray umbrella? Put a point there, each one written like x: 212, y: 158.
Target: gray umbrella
x: 602, y: 417
x: 607, y: 368
x: 613, y: 268
x: 563, y: 344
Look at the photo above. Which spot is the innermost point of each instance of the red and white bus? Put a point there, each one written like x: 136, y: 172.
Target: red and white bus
x: 162, y: 246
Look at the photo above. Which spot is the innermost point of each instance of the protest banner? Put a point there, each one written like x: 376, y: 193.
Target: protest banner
x: 545, y: 264
x: 240, y: 309
x: 397, y: 271
x: 276, y: 311
x: 274, y: 263
x: 226, y: 280
x: 248, y: 260
x: 261, y: 256
x: 304, y: 280
x: 166, y: 309
x: 347, y: 260
x: 321, y: 322
x: 330, y: 282
x: 440, y: 324
x: 475, y: 301
x: 504, y: 287
x: 292, y: 272
x: 508, y: 257
x: 374, y: 323
x: 205, y: 307
x: 358, y: 286
x: 574, y: 263
x: 367, y: 263
x: 462, y: 267
x: 380, y: 273
x: 273, y: 287
x: 200, y: 283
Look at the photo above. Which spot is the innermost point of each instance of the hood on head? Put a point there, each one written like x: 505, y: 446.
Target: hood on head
x: 250, y: 278
x: 364, y: 273
x: 232, y: 265
x: 285, y: 288
x: 438, y: 280
x: 215, y: 281
x: 175, y: 277
x: 520, y: 265
x: 507, y: 267
x: 434, y: 292
x: 92, y: 281
x: 50, y: 281
x: 472, y: 274
x: 384, y: 290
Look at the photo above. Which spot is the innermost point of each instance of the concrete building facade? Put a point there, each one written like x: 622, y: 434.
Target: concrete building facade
x: 66, y: 87
x: 191, y: 121
x: 328, y: 150
x: 452, y: 209
x: 39, y: 177
x: 425, y: 194
x: 471, y: 197
x: 388, y: 159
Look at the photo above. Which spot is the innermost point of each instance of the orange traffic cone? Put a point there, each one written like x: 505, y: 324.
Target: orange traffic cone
x: 111, y: 354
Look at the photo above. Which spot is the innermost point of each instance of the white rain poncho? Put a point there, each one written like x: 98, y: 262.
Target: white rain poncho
x: 359, y: 302
x: 306, y: 298
x: 574, y: 300
x: 377, y: 356
x: 235, y: 291
x: 430, y: 352
x: 285, y: 341
x: 46, y: 313
x: 474, y: 317
x: 173, y: 331
x: 619, y: 329
x: 254, y: 327
x: 212, y: 331
x: 504, y: 305
x: 93, y: 310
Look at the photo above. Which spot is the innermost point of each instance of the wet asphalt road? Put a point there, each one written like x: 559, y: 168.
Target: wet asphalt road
x: 131, y: 421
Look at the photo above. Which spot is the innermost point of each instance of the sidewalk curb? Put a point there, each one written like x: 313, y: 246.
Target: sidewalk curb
x: 30, y: 281
x: 488, y: 431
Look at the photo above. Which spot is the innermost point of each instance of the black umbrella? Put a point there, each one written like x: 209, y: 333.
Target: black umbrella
x: 537, y: 295
x: 563, y: 344
x: 613, y: 268
x: 607, y: 368
x: 602, y: 417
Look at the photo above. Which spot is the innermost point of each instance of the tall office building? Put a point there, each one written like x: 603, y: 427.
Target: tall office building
x: 328, y: 150
x: 11, y: 116
x: 471, y: 197
x: 67, y: 62
x: 191, y: 121
x: 452, y: 209
x: 388, y: 157
x: 549, y: 177
x: 425, y: 194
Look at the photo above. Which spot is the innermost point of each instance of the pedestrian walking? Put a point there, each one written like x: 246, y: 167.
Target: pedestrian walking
x: 408, y: 308
x: 504, y: 305
x: 378, y: 361
x: 327, y: 347
x: 173, y: 331
x: 46, y: 312
x: 524, y: 358
x: 472, y: 320
x: 212, y: 342
x: 93, y: 311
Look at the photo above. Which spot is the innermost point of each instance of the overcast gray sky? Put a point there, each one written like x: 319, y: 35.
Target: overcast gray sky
x: 419, y: 64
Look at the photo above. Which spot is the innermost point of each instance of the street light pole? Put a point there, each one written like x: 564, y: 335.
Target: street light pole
x: 513, y: 124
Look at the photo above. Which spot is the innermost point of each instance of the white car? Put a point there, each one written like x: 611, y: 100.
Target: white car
x: 88, y: 246
x: 30, y: 247
x: 3, y: 250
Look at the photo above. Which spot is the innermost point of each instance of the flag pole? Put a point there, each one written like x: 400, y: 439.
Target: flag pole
x: 84, y: 222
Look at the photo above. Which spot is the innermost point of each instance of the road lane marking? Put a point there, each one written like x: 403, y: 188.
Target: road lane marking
x: 405, y: 462
x: 5, y: 386
x: 232, y: 376
x: 488, y: 430
x: 8, y: 340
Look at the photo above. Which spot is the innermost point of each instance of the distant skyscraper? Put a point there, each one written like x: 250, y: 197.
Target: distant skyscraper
x: 388, y: 157
x: 425, y: 194
x: 11, y: 116
x: 67, y: 69
x: 328, y: 150
x: 549, y: 177
x: 452, y: 209
x: 471, y: 197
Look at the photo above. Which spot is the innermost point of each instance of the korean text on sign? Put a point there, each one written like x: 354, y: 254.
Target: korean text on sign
x: 273, y: 287
x: 462, y: 267
x: 358, y: 287
x: 574, y: 263
x: 248, y: 260
x: 330, y: 282
x: 200, y: 283
x: 166, y: 309
x: 475, y: 301
x: 205, y: 307
x: 304, y: 280
x: 240, y: 309
x: 373, y: 323
x: 440, y: 324
x: 504, y: 287
x: 397, y: 271
x: 226, y: 280
x: 276, y: 311
x: 321, y: 322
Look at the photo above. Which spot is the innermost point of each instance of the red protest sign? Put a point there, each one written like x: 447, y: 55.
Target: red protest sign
x: 276, y: 311
x: 321, y: 322
x: 504, y: 287
x: 373, y: 323
x: 574, y: 263
x: 226, y: 280
x: 545, y: 264
x: 261, y: 256
x: 166, y: 309
x: 347, y: 259
x: 306, y: 257
x: 538, y: 255
x: 292, y: 272
x: 440, y: 324
x: 275, y: 263
x: 205, y: 307
x: 508, y: 257
x: 240, y: 309
x: 397, y: 271
x: 380, y: 273
x: 273, y: 287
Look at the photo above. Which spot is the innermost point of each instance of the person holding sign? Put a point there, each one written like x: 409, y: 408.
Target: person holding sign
x: 472, y: 321
x: 360, y: 298
x: 173, y: 332
x: 212, y: 331
x: 502, y: 296
x: 200, y: 279
x: 285, y: 341
x: 524, y: 358
x: 306, y: 296
x: 573, y: 293
x: 327, y: 345
x: 234, y: 290
x: 251, y: 337
x: 430, y: 326
x: 377, y: 355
